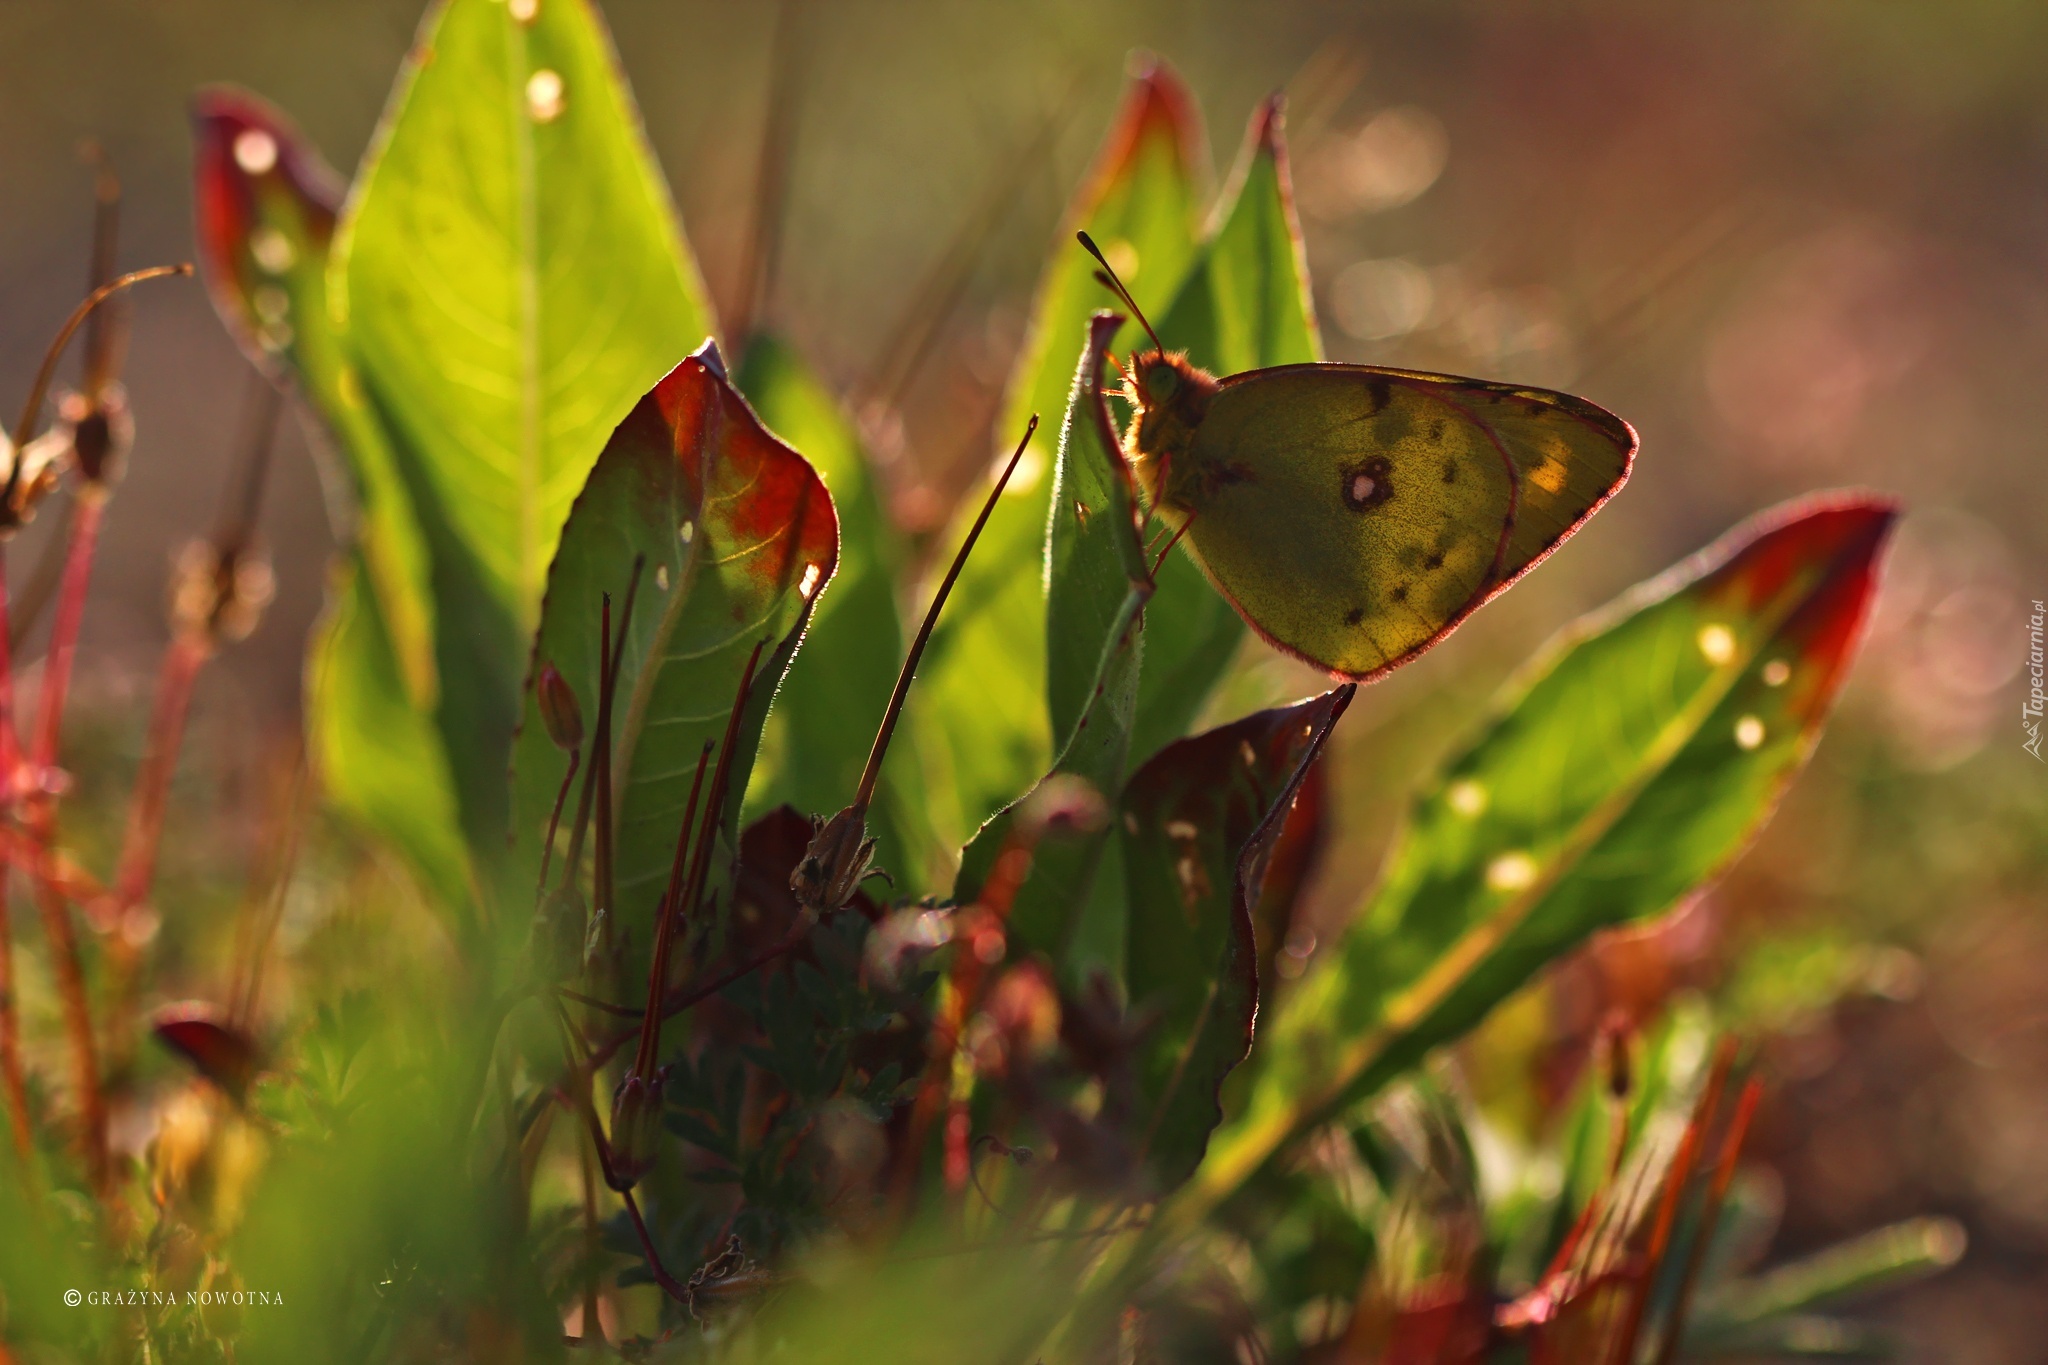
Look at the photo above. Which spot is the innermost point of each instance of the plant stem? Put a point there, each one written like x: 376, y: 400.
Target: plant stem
x: 42, y: 812
x: 11, y: 1073
x: 26, y: 426
x: 136, y: 869
x: 873, y: 772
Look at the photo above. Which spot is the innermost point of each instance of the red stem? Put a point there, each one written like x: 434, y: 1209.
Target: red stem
x: 11, y: 1072
x: 137, y: 869
x: 42, y: 811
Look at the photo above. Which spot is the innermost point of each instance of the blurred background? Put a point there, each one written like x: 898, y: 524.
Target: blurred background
x: 1798, y: 245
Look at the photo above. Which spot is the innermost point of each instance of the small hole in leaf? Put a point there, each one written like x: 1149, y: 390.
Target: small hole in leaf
x: 1717, y: 643
x: 1511, y: 872
x: 272, y: 250
x: 1466, y: 797
x: 544, y: 96
x: 255, y: 151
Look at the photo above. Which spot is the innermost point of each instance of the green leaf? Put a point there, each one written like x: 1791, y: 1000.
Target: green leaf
x: 838, y: 686
x: 507, y: 280
x: 1097, y: 589
x: 1632, y: 764
x: 738, y: 535
x: 1246, y: 305
x: 379, y: 756
x: 983, y: 678
x: 1876, y: 1261
x: 1199, y: 821
x: 267, y: 206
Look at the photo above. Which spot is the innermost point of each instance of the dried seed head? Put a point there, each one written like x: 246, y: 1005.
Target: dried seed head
x: 102, y: 431
x: 217, y: 596
x: 839, y: 858
x: 558, y: 708
x: 636, y: 1127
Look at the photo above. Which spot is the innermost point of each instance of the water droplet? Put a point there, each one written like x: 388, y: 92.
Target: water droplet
x: 272, y: 250
x: 1777, y: 673
x: 1466, y: 797
x: 1181, y: 829
x: 1245, y: 752
x: 1717, y: 643
x: 544, y: 96
x: 687, y: 532
x: 1749, y: 732
x: 661, y: 577
x: 1511, y: 871
x: 255, y: 151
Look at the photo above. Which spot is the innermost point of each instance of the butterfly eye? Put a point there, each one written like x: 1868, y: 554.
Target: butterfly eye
x: 1159, y: 382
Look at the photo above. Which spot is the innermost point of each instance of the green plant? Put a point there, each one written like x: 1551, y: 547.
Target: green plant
x: 648, y: 1023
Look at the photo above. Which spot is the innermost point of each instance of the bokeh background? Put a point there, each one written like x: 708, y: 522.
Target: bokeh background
x: 1798, y: 245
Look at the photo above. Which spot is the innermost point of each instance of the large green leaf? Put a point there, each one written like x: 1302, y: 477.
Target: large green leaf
x: 983, y: 679
x: 1635, y: 760
x: 379, y: 756
x: 267, y: 205
x: 507, y: 281
x: 737, y: 537
x: 1198, y: 822
x: 1097, y: 589
x: 1246, y: 305
x: 837, y: 688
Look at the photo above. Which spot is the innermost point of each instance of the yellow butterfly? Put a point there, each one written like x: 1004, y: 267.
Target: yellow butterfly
x: 1355, y: 515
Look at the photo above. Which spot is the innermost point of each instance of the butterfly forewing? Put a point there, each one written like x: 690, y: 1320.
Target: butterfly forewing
x: 1355, y: 515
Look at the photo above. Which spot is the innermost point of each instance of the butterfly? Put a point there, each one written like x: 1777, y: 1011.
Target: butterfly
x: 1353, y: 514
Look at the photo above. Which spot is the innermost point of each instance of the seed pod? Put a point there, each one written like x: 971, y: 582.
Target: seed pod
x: 636, y: 1127
x: 558, y: 708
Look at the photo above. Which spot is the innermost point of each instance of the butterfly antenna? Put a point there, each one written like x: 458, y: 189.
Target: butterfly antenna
x: 1108, y: 276
x: 873, y: 771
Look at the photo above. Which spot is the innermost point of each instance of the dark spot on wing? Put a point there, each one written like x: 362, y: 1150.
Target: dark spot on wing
x: 1450, y: 471
x: 1354, y: 616
x: 1436, y: 429
x: 1376, y: 389
x: 1366, y: 484
x: 1435, y: 561
x: 1399, y: 594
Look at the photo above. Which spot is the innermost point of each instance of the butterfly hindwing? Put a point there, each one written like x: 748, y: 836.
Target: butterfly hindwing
x: 1355, y: 515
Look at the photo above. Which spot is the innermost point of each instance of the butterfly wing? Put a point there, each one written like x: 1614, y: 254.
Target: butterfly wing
x: 1355, y: 515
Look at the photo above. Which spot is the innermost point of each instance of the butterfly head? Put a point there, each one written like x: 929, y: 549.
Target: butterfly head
x: 1171, y: 397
